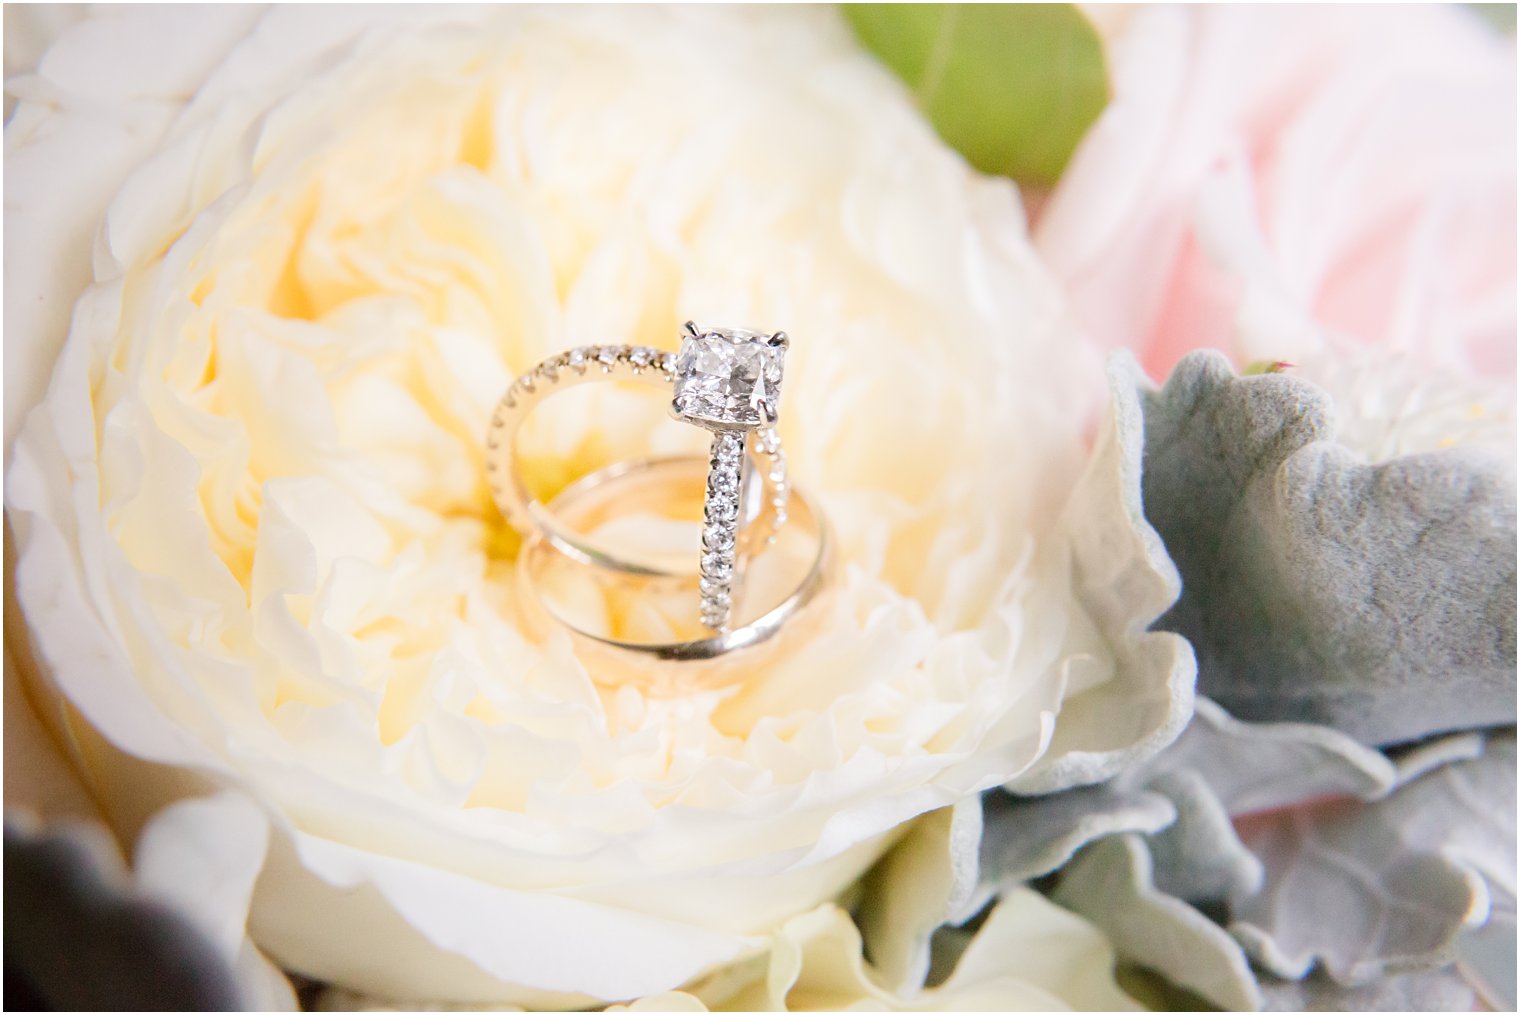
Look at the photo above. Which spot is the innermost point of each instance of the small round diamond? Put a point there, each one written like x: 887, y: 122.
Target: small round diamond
x: 722, y: 509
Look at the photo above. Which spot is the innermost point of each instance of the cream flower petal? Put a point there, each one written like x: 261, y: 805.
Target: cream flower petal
x: 254, y: 543
x: 456, y: 939
x: 72, y: 141
x: 1028, y: 955
x: 41, y: 779
x: 926, y: 881
x: 1030, y: 940
x: 201, y: 857
x: 1131, y: 690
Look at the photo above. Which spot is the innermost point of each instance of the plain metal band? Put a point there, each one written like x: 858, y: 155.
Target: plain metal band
x: 805, y: 516
x: 605, y: 363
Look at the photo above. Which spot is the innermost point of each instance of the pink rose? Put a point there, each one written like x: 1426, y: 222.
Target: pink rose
x: 1276, y: 181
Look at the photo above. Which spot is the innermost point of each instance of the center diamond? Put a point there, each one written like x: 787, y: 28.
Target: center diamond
x: 729, y: 377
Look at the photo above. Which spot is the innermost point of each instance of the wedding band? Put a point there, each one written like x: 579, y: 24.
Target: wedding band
x: 610, y: 494
x: 724, y: 380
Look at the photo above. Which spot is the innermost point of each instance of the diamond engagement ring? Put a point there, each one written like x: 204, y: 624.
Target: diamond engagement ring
x: 724, y: 380
x: 728, y: 381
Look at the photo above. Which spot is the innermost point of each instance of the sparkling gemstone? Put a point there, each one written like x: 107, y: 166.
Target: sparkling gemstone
x: 728, y: 449
x: 729, y: 376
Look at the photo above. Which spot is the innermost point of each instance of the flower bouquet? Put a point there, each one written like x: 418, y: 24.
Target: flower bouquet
x: 1148, y: 401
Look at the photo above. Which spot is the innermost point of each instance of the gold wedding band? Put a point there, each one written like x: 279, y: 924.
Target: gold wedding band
x: 797, y: 564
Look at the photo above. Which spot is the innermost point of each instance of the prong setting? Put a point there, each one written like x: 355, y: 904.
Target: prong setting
x: 729, y: 379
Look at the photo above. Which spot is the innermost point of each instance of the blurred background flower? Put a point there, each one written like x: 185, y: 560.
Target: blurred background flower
x: 1272, y: 181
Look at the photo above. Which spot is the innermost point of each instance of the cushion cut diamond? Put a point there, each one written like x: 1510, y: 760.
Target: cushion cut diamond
x: 729, y: 377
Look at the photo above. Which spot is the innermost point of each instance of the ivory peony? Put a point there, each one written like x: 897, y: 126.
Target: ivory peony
x: 255, y: 552
x: 1028, y: 955
x: 1276, y: 180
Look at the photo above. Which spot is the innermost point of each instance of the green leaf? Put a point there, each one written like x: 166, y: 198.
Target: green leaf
x: 1012, y: 87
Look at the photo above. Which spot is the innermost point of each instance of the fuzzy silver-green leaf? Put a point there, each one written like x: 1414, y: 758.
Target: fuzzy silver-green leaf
x: 1375, y: 598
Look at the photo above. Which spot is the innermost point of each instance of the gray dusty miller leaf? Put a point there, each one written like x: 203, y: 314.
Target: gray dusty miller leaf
x: 1219, y: 767
x: 1227, y: 460
x: 1487, y: 955
x: 1199, y: 857
x: 1027, y: 837
x: 1425, y: 853
x: 1110, y: 883
x: 1378, y: 599
x: 1426, y: 990
x: 1263, y: 766
x: 1363, y: 889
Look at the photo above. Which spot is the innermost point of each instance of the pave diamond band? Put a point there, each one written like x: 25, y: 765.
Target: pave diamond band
x: 720, y: 528
x: 729, y: 381
x: 730, y: 386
